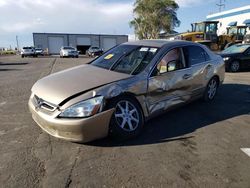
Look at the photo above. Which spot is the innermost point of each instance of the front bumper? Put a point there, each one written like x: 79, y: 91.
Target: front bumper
x: 27, y: 53
x: 75, y: 130
x: 70, y: 54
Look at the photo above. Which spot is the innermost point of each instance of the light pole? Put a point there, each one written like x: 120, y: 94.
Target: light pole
x: 17, y: 44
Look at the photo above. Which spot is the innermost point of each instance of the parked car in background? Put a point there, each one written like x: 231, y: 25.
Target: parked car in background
x: 39, y: 51
x: 68, y: 51
x: 28, y: 52
x: 94, y: 51
x: 246, y: 39
x: 236, y: 57
x: 120, y: 90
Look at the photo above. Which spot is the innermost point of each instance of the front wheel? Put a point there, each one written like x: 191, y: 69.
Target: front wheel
x: 127, y: 120
x: 211, y: 89
x: 235, y: 66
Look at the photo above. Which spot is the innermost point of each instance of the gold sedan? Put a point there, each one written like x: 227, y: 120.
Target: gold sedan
x: 116, y: 93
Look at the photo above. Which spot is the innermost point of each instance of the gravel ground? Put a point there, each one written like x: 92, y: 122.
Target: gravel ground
x: 198, y: 145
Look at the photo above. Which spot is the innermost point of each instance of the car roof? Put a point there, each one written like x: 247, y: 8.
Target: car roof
x: 159, y: 42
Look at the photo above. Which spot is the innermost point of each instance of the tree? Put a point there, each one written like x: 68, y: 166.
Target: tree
x: 151, y: 17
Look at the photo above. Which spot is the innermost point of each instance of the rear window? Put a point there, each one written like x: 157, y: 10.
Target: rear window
x: 195, y: 55
x: 68, y: 48
x: 27, y: 48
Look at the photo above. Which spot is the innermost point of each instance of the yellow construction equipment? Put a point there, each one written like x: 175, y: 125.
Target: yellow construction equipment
x: 206, y: 33
x: 235, y: 34
x: 202, y: 32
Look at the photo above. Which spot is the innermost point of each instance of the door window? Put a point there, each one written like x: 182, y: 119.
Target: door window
x: 195, y: 55
x: 172, y: 61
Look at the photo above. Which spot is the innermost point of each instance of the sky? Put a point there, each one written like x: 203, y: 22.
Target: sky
x: 23, y: 17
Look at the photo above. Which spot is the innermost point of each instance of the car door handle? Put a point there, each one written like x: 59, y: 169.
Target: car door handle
x: 186, y: 76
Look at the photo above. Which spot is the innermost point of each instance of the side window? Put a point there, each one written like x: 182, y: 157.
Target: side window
x: 172, y: 61
x: 195, y: 55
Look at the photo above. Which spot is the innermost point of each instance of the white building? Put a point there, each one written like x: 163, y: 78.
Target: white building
x: 54, y: 41
x: 238, y: 16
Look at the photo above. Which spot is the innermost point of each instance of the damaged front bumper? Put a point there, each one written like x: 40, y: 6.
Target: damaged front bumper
x: 75, y: 129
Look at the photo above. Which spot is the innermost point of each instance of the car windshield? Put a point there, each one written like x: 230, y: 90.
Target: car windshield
x: 68, y: 48
x: 236, y: 49
x: 27, y: 48
x: 95, y: 48
x: 128, y: 59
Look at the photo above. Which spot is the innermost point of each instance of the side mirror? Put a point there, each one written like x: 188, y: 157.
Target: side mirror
x: 171, y: 66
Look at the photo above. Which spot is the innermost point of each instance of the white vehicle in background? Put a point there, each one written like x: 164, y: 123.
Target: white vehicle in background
x: 39, y: 51
x: 28, y: 51
x: 68, y: 51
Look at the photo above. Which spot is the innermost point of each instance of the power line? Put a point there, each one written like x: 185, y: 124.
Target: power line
x: 221, y: 4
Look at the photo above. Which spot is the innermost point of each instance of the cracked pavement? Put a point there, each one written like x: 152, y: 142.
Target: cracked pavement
x: 197, y: 145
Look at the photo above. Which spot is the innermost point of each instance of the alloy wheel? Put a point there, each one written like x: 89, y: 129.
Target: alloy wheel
x: 235, y: 66
x: 212, y: 88
x: 127, y: 116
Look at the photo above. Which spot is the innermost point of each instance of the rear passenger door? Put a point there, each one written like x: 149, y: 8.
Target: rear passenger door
x: 201, y: 65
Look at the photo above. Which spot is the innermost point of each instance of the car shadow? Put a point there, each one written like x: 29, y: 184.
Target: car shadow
x: 12, y: 64
x: 231, y: 101
x: 1, y: 70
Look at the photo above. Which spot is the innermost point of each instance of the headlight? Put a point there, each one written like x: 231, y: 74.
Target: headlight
x: 84, y: 109
x: 226, y: 58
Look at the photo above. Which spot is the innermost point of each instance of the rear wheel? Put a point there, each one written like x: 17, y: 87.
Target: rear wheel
x: 127, y: 120
x: 235, y: 66
x: 211, y: 89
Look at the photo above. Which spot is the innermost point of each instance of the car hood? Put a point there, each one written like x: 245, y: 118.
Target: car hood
x: 57, y: 87
x: 228, y: 54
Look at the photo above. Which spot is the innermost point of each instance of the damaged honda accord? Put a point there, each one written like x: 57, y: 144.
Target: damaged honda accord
x: 118, y: 92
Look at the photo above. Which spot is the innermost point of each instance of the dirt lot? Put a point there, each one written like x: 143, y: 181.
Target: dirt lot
x: 198, y: 145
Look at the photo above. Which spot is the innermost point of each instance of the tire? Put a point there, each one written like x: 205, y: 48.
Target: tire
x: 127, y: 120
x: 22, y: 56
x: 235, y: 66
x: 211, y: 89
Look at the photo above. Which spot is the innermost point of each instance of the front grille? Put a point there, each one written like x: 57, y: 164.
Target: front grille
x: 40, y: 103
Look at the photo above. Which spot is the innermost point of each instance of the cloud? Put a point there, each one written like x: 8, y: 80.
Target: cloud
x: 192, y: 3
x: 23, y: 17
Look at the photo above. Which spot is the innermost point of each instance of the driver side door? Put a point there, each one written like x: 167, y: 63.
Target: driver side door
x: 170, y: 82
